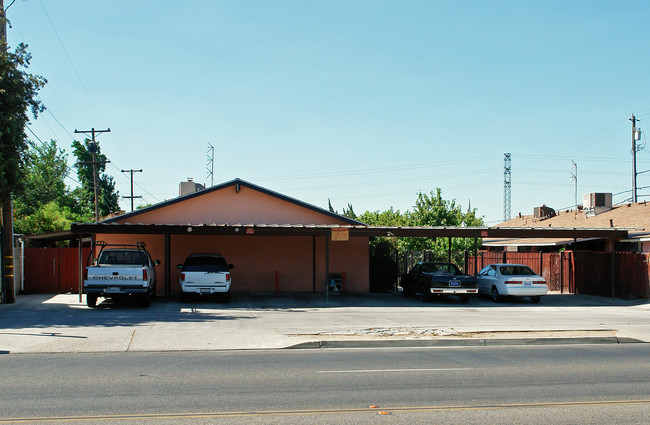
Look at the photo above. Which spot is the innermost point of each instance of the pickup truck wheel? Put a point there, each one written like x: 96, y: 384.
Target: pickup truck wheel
x: 495, y: 295
x: 146, y: 300
x: 91, y: 300
x: 226, y: 297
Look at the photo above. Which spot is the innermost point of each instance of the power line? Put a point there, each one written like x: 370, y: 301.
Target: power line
x: 71, y: 63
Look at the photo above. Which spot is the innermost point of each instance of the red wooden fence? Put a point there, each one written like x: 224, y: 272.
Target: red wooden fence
x: 594, y: 274
x: 556, y: 268
x: 52, y: 270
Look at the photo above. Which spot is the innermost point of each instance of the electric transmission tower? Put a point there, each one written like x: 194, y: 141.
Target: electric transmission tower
x: 507, y: 185
x: 574, y: 179
x: 210, y: 166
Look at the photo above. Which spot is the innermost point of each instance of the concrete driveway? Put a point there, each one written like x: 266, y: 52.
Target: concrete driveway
x: 59, y: 323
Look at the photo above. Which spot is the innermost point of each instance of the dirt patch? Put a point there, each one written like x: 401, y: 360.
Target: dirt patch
x: 427, y: 333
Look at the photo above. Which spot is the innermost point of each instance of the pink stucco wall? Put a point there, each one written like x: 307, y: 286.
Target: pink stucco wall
x: 256, y: 258
x: 227, y: 206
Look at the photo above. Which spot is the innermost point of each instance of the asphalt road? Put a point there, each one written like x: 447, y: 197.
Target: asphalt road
x: 515, y: 384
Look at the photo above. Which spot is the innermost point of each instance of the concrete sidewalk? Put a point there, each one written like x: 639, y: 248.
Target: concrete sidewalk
x: 59, y: 323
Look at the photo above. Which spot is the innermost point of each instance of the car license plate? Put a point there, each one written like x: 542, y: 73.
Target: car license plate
x: 113, y: 289
x: 205, y: 291
x: 454, y: 283
x: 528, y: 283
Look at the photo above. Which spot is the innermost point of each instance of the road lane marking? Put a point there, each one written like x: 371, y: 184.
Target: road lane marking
x: 396, y: 370
x: 261, y: 413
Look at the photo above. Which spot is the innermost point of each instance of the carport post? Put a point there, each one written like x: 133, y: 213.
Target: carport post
x: 476, y: 256
x: 327, y: 268
x: 81, y: 273
x: 449, y: 251
x: 168, y: 286
x: 313, y: 259
x: 613, y: 271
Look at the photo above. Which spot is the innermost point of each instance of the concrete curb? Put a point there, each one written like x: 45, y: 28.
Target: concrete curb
x: 462, y: 342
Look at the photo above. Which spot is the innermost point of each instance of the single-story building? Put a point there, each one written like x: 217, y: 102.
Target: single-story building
x: 255, y: 229
x: 276, y: 243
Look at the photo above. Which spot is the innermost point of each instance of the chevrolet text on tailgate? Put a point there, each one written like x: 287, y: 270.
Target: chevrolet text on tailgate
x: 121, y: 271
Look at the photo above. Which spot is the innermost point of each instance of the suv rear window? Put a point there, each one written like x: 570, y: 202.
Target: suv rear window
x: 205, y: 264
x: 125, y: 257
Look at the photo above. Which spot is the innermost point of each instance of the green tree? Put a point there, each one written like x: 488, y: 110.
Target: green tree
x: 18, y: 91
x: 50, y: 217
x: 46, y: 204
x: 432, y: 210
x: 347, y: 212
x: 107, y: 196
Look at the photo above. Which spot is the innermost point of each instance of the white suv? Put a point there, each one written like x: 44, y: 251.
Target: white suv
x: 205, y: 274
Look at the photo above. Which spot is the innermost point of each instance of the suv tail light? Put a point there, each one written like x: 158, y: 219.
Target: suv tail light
x: 183, y: 277
x: 144, y: 274
x: 227, y: 277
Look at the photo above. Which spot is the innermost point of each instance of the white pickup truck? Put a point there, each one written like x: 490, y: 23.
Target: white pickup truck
x: 205, y: 274
x: 121, y: 271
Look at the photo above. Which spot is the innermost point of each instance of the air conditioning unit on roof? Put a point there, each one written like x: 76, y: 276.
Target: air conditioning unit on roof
x: 596, y: 203
x: 592, y: 200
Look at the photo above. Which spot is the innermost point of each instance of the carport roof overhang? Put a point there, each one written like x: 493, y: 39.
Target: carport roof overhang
x: 79, y: 229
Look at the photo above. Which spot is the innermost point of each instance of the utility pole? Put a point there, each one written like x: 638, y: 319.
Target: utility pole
x: 7, y: 251
x: 131, y: 197
x: 92, y: 148
x: 636, y: 135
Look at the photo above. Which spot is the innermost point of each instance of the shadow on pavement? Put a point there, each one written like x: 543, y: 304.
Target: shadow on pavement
x: 64, y: 310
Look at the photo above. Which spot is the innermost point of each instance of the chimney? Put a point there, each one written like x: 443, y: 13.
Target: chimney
x: 188, y: 187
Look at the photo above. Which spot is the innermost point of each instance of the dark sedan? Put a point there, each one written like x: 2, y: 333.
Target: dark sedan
x: 436, y: 279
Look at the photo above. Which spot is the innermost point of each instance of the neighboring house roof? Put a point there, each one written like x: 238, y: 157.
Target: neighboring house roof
x: 237, y: 184
x: 633, y: 217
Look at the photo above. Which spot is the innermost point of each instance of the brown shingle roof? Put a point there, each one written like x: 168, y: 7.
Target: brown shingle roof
x: 628, y: 216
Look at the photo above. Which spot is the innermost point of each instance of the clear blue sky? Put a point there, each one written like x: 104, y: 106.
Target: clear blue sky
x: 362, y: 102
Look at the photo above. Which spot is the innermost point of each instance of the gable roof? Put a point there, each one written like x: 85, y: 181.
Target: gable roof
x: 236, y: 183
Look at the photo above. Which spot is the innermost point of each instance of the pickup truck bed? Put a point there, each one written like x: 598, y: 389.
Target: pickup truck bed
x: 121, y: 272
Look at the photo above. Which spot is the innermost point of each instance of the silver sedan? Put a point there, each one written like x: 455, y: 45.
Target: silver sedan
x: 516, y: 280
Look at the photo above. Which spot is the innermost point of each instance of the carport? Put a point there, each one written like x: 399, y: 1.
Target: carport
x: 331, y: 234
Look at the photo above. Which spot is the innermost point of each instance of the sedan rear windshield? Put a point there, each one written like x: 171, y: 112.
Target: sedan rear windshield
x: 517, y: 271
x: 205, y: 264
x: 440, y: 268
